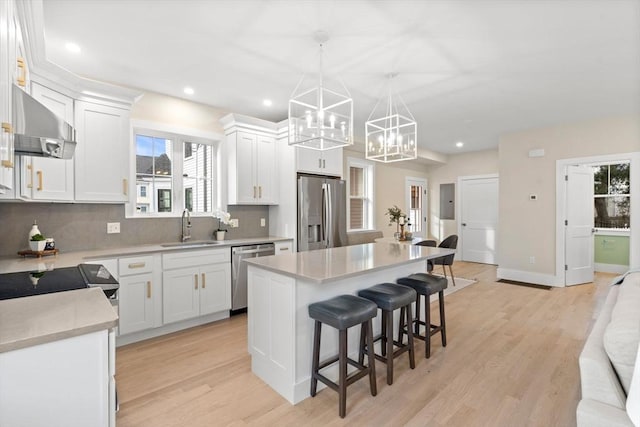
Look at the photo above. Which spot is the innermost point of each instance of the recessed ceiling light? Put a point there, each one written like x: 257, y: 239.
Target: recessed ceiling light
x: 267, y: 103
x: 188, y: 90
x: 72, y: 47
x: 459, y: 144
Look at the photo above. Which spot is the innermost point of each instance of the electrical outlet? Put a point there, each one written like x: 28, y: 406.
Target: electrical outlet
x: 532, y: 260
x: 113, y: 227
x: 233, y: 222
x: 263, y: 222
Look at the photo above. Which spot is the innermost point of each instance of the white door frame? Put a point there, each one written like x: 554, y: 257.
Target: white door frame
x: 458, y: 209
x: 407, y: 198
x: 561, y: 196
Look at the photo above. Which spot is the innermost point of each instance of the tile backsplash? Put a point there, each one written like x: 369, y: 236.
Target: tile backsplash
x: 77, y: 226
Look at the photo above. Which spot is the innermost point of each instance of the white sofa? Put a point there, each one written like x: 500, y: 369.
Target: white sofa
x: 608, y: 359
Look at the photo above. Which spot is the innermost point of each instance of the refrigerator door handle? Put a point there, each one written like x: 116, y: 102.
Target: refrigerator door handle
x: 325, y: 206
x: 329, y: 217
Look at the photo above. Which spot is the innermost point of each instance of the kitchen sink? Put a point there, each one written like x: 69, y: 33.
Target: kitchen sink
x: 196, y: 244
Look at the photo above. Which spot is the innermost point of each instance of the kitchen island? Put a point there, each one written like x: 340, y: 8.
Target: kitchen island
x: 280, y: 332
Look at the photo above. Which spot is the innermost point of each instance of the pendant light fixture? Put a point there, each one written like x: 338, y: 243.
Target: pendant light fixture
x: 391, y: 132
x: 321, y: 116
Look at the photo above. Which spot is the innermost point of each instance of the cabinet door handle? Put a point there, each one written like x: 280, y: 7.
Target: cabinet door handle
x: 30, y: 169
x: 137, y: 265
x: 149, y: 289
x: 254, y: 191
x: 125, y: 186
x: 196, y: 277
x: 39, y: 173
x: 324, y: 164
x: 260, y: 191
x: 6, y: 127
x: 22, y: 77
x: 320, y: 163
x: 204, y: 283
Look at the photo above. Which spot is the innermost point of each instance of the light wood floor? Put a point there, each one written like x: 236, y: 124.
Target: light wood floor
x: 511, y: 360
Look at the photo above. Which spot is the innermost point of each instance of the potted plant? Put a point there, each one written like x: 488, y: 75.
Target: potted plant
x: 400, y: 218
x: 224, y: 218
x: 37, y: 242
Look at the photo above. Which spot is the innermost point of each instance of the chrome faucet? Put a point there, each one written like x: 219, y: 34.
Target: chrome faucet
x: 186, y: 225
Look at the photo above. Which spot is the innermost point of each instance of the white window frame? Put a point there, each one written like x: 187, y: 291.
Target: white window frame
x: 605, y: 230
x: 369, y: 186
x: 178, y: 135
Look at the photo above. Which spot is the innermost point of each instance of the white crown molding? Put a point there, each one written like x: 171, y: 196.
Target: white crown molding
x: 31, y: 17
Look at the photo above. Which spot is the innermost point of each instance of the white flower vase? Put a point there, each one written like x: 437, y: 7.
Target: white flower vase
x: 220, y: 235
x: 37, y: 246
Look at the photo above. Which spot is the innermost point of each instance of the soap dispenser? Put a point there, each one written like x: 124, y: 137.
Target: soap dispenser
x: 34, y: 230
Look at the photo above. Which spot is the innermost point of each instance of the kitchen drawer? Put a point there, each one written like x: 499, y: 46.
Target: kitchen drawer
x: 195, y: 258
x: 135, y: 265
x: 285, y: 247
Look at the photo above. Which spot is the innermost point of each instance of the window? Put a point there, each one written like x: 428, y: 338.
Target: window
x: 415, y: 207
x: 612, y: 196
x: 360, y: 185
x: 173, y: 172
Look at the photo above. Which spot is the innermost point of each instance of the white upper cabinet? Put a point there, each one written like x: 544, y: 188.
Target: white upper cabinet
x: 101, y: 156
x: 251, y: 159
x: 8, y: 71
x: 328, y: 162
x: 44, y: 178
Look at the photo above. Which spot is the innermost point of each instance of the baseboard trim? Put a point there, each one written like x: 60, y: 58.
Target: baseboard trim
x: 529, y: 277
x: 611, y: 268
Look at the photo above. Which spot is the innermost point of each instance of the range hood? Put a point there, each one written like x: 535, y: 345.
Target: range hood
x: 38, y: 131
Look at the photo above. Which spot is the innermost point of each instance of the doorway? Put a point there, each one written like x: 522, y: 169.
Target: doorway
x: 572, y: 252
x: 478, y: 224
x: 416, y: 194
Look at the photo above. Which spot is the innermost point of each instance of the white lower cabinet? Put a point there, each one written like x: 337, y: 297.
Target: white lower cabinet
x: 137, y: 294
x: 195, y: 283
x: 68, y: 383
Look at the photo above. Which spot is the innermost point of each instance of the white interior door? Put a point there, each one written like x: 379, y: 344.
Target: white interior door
x: 417, y: 205
x: 478, y: 219
x: 578, y: 252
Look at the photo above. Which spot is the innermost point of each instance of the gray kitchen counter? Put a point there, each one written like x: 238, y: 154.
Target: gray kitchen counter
x: 39, y: 319
x: 10, y: 264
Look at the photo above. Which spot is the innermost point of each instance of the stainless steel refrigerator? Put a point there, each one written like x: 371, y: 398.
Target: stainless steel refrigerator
x: 322, y: 212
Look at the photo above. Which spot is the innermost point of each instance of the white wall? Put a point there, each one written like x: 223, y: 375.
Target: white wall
x: 529, y: 228
x: 464, y: 164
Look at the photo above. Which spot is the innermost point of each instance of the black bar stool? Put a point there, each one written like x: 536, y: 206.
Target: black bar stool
x: 426, y: 285
x: 343, y: 312
x: 389, y: 297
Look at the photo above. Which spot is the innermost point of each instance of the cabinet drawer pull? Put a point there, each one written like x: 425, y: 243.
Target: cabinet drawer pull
x: 284, y: 249
x: 30, y: 169
x: 260, y: 191
x: 7, y: 164
x: 125, y: 186
x: 6, y: 127
x: 137, y: 265
x: 149, y: 289
x: 204, y: 283
x: 196, y: 277
x: 320, y: 163
x: 39, y: 173
x: 22, y: 78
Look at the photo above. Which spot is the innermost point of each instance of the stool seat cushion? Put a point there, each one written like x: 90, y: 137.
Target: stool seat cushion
x: 389, y: 296
x: 343, y: 311
x: 425, y: 284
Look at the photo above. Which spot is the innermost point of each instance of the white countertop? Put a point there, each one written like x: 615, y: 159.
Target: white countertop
x: 326, y: 265
x: 39, y: 319
x: 70, y: 259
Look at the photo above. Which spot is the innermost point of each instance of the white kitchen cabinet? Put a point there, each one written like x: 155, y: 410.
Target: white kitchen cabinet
x: 68, y: 383
x: 101, y: 156
x: 195, y: 283
x: 44, y: 178
x: 328, y: 162
x: 285, y: 247
x: 252, y: 169
x: 137, y: 294
x: 8, y: 65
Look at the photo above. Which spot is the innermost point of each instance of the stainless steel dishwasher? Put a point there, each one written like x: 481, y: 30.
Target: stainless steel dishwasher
x: 239, y: 271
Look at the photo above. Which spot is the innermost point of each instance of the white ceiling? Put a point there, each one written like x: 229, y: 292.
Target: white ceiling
x: 468, y: 70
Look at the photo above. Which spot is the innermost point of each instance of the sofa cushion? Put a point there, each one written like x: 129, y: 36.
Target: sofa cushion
x: 622, y: 335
